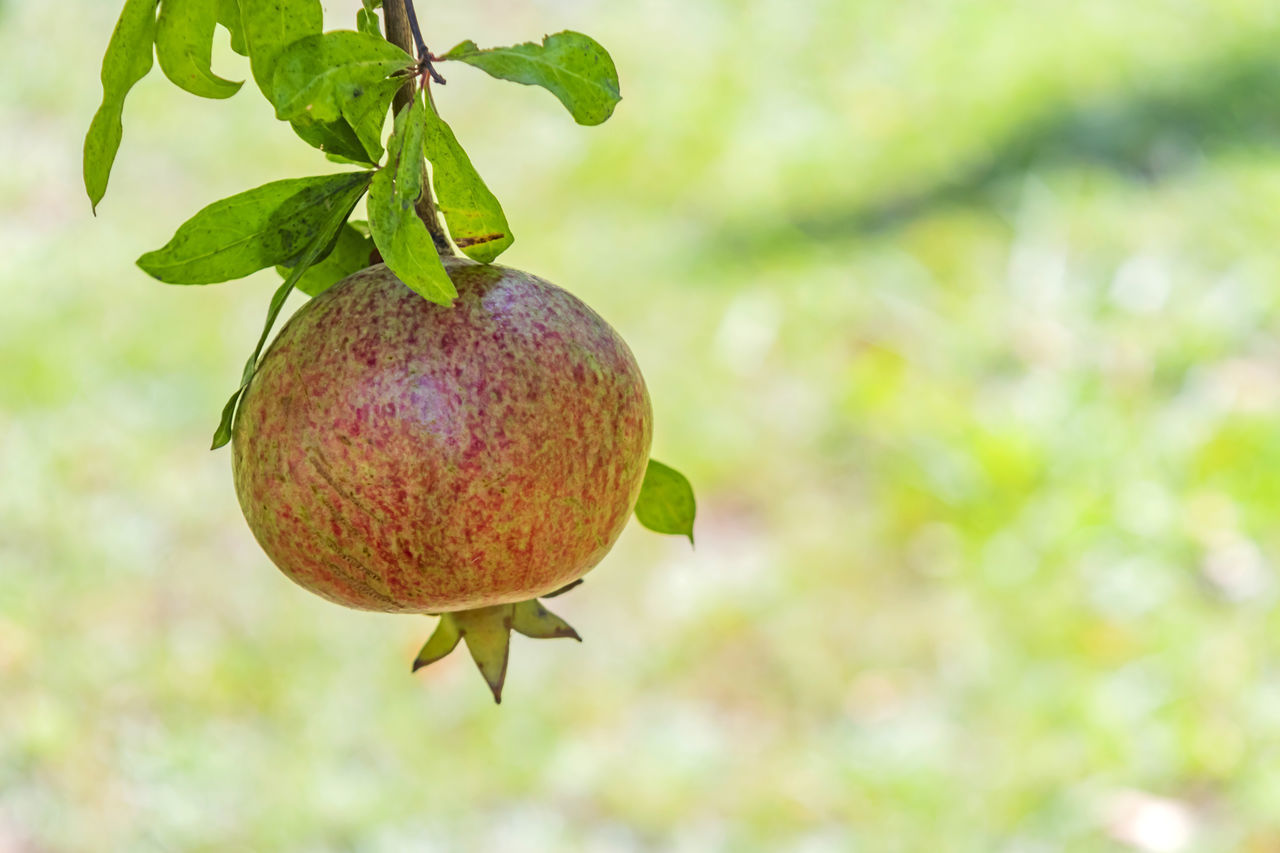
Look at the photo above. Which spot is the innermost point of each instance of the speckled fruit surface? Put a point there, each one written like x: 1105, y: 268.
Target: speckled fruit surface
x: 396, y: 455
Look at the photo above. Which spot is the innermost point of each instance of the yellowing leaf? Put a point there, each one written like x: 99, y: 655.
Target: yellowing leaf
x: 474, y: 216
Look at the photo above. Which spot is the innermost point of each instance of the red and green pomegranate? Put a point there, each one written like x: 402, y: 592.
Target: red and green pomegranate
x: 437, y: 434
x: 397, y: 455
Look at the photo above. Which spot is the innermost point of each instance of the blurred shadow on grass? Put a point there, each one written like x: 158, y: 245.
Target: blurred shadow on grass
x: 1154, y: 133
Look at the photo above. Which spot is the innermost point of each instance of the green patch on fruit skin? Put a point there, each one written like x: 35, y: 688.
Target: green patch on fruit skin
x: 487, y: 633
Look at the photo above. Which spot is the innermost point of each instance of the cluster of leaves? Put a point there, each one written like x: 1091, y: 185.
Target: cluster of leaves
x: 335, y: 89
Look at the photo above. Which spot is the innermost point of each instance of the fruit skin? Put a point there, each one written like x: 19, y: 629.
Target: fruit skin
x: 396, y: 455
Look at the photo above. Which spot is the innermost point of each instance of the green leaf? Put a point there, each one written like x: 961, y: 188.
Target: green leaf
x: 337, y: 211
x: 401, y: 237
x: 474, y: 217
x: 666, y: 503
x: 573, y: 67
x: 229, y: 17
x: 367, y: 20
x: 350, y: 254
x: 126, y: 61
x: 271, y: 224
x: 184, y: 47
x: 334, y: 157
x: 335, y: 137
x: 272, y: 25
x: 340, y: 75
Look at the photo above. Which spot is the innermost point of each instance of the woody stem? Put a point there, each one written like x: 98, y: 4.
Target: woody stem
x: 402, y: 31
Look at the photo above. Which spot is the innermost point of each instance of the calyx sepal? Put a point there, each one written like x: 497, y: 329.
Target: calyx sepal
x: 487, y: 633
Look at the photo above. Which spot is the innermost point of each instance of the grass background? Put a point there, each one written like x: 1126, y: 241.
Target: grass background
x: 962, y: 318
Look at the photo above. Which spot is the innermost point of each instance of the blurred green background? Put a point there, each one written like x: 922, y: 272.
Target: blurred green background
x: 963, y: 319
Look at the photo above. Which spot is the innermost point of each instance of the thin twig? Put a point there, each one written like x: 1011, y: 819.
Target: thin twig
x: 423, y: 53
x: 425, y: 57
x: 401, y: 28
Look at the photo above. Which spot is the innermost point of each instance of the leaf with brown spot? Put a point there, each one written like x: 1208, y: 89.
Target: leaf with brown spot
x: 401, y: 237
x: 475, y: 218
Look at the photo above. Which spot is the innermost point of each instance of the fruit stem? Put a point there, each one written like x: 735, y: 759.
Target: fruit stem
x: 401, y: 28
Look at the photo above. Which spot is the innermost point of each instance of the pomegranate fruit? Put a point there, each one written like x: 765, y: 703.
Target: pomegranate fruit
x: 396, y: 455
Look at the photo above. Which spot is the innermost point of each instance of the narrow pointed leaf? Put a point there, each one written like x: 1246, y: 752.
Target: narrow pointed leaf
x: 573, y: 67
x: 184, y: 47
x: 339, y: 75
x: 533, y: 620
x: 337, y: 209
x: 271, y: 224
x: 474, y: 216
x: 222, y: 434
x: 443, y: 641
x: 349, y: 254
x: 229, y: 17
x: 272, y: 25
x: 666, y: 503
x: 126, y: 61
x: 401, y: 237
x: 334, y: 137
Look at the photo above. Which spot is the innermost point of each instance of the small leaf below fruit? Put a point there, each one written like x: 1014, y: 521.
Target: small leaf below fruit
x: 666, y: 503
x: 573, y: 67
